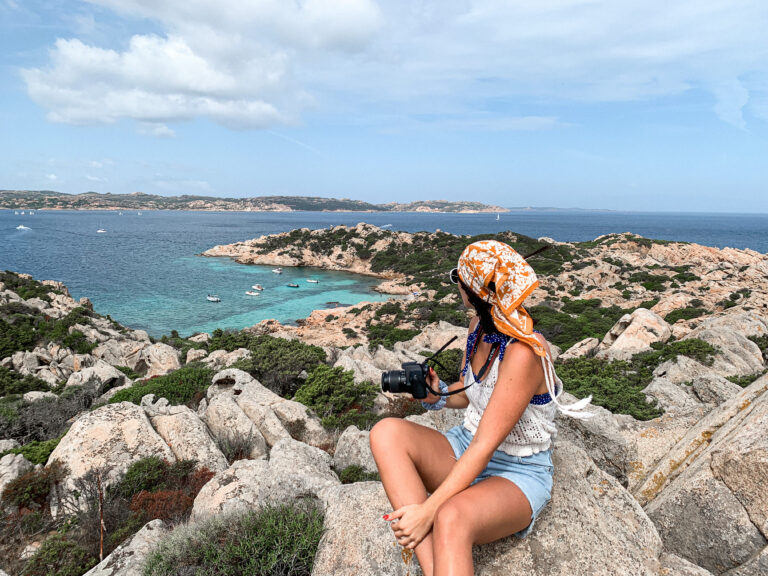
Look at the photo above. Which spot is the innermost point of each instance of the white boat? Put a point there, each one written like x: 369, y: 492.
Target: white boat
x: 292, y: 285
x: 312, y: 280
x: 257, y: 287
x: 497, y: 216
x: 277, y: 270
x: 22, y: 227
x: 22, y: 212
x: 101, y: 231
x: 16, y: 212
x: 213, y: 298
x: 252, y: 293
x: 31, y: 213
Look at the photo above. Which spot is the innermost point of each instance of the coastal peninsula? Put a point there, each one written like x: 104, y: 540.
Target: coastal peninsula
x: 50, y: 200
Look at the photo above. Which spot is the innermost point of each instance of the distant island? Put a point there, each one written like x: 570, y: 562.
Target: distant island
x: 51, y: 200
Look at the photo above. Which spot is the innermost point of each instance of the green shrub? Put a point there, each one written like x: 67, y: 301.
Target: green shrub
x: 275, y: 539
x: 745, y: 381
x: 184, y: 386
x: 26, y: 287
x: 451, y: 359
x: 11, y: 382
x: 564, y: 330
x: 618, y: 385
x: 275, y: 362
x: 43, y: 419
x: 651, y: 282
x: 61, y: 556
x: 129, y: 372
x: 386, y: 335
x: 335, y: 397
x: 31, y: 490
x: 686, y: 313
x: 355, y: 473
x: 36, y: 452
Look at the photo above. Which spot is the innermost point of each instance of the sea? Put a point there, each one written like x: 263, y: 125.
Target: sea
x: 144, y: 269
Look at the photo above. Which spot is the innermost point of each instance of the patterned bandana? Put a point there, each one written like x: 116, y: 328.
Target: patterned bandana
x: 491, y: 261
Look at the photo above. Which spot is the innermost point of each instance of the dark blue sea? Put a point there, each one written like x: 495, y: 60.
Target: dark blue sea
x: 144, y: 270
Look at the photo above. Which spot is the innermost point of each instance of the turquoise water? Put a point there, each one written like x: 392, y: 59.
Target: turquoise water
x: 144, y: 271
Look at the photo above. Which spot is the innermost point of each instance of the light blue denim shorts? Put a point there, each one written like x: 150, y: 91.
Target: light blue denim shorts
x: 532, y: 474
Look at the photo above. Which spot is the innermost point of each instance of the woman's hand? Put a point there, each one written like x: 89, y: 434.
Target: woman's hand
x: 411, y: 524
x: 434, y: 382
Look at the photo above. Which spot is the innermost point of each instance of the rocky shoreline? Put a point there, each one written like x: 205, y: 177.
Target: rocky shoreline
x: 679, y: 493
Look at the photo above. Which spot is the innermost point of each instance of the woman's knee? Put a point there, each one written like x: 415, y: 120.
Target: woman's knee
x: 384, y: 433
x: 452, y: 523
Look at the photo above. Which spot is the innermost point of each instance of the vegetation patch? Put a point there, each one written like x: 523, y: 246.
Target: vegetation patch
x: 687, y: 313
x: 617, y: 386
x: 20, y: 331
x: 36, y: 452
x: 335, y: 397
x: 43, y: 419
x: 184, y: 386
x: 276, y: 539
x: 11, y: 382
x: 26, y: 288
x: 449, y: 367
x: 356, y: 473
x: 578, y: 319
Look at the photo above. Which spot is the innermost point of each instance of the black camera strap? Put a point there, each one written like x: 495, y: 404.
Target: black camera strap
x: 491, y: 356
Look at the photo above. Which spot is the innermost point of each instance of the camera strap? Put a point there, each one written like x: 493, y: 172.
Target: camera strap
x: 491, y: 356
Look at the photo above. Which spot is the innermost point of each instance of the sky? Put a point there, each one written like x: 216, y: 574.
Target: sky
x: 645, y: 105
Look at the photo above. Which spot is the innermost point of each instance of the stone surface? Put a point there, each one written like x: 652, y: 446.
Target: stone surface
x: 671, y: 397
x: 294, y: 470
x: 632, y: 334
x: 11, y: 467
x: 194, y: 355
x: 357, y: 542
x: 185, y: 433
x: 585, y: 347
x: 219, y: 359
x: 672, y: 565
x: 127, y: 559
x: 229, y: 424
x: 738, y: 355
x: 757, y: 566
x: 110, y: 438
x: 97, y: 378
x: 353, y: 449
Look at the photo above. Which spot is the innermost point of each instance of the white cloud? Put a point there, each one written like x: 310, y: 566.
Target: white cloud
x: 261, y: 63
x: 51, y: 177
x: 156, y: 130
x: 93, y: 178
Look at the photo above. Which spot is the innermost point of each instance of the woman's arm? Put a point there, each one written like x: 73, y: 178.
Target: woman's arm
x: 459, y: 400
x: 519, y: 376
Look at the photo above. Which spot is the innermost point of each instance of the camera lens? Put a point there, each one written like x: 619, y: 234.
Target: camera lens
x: 393, y: 381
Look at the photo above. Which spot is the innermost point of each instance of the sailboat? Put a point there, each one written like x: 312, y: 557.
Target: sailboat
x: 497, y: 216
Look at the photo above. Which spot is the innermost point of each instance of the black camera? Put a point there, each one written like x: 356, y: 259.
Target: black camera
x: 412, y: 377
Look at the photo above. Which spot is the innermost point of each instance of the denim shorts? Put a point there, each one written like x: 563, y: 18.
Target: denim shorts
x: 532, y: 474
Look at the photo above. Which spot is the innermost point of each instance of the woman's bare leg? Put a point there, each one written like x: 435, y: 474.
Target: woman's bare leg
x: 412, y: 461
x: 487, y: 511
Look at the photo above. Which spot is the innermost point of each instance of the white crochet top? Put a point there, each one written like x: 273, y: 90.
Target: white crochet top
x: 534, y: 431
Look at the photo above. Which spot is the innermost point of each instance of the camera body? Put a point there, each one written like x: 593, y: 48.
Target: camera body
x: 412, y: 378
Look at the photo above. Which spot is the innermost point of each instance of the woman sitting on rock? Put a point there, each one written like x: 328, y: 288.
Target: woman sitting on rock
x: 492, y: 476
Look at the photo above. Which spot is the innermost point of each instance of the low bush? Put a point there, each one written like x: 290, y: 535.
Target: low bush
x: 651, y: 282
x: 564, y: 329
x: 387, y: 334
x: 26, y: 288
x: 11, y: 382
x: 36, y: 452
x: 335, y: 397
x: 31, y: 490
x: 234, y: 446
x: 59, y: 555
x: 451, y: 360
x: 686, y: 313
x: 184, y: 386
x: 618, y: 385
x: 355, y: 473
x: 43, y: 419
x: 275, y: 539
x: 275, y: 362
x: 745, y: 381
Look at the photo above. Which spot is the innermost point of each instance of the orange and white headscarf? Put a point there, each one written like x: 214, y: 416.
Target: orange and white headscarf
x: 491, y: 261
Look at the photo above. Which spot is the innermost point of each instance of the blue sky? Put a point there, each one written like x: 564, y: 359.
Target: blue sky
x: 628, y: 105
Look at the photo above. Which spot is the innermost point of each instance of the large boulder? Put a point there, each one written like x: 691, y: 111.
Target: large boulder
x: 716, y: 476
x: 128, y: 558
x: 184, y: 432
x: 589, y: 524
x: 632, y: 334
x: 98, y: 378
x: 737, y: 356
x: 109, y: 439
x: 584, y: 347
x: 159, y: 359
x: 353, y: 449
x: 671, y: 397
x: 601, y: 438
x: 220, y: 359
x: 294, y: 470
x: 230, y: 425
x: 11, y: 467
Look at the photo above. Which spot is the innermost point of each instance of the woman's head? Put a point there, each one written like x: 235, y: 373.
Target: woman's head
x: 497, y: 280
